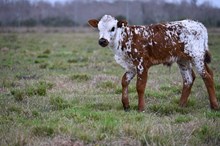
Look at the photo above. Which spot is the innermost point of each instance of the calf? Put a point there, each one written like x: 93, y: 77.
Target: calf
x: 137, y: 48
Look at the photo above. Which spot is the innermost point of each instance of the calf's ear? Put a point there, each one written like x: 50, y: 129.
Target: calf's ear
x: 93, y: 23
x: 122, y: 23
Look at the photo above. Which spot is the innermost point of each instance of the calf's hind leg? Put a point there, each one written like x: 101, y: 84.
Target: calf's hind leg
x: 207, y: 76
x: 188, y: 78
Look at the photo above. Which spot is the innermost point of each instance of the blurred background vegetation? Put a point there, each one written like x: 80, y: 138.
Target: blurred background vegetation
x: 31, y: 13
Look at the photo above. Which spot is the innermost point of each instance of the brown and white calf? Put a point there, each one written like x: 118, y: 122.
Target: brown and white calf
x: 137, y: 48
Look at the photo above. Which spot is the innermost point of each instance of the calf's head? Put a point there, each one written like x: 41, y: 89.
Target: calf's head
x: 108, y: 28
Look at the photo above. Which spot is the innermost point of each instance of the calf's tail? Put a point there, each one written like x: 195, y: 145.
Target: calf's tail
x: 208, y: 57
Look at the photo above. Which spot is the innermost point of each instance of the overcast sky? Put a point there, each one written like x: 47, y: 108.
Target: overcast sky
x: 215, y: 3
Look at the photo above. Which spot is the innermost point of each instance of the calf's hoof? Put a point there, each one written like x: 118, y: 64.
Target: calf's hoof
x: 182, y: 104
x: 141, y: 110
x: 215, y: 107
x: 127, y: 109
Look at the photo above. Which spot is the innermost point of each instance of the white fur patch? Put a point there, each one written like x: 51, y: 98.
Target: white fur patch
x: 195, y: 38
x: 140, y: 66
x: 125, y: 62
x: 130, y: 75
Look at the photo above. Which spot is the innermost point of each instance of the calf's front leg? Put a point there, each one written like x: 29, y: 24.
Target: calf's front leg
x: 188, y: 76
x: 127, y: 77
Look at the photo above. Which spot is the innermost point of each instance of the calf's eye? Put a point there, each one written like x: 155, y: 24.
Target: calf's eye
x: 113, y: 29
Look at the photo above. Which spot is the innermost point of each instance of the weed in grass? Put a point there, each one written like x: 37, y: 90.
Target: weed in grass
x: 18, y: 94
x: 30, y: 91
x: 35, y: 113
x: 72, y: 60
x: 107, y: 85
x: 39, y: 61
x: 37, y: 89
x: 58, y: 103
x: 41, y: 88
x: 182, y: 119
x: 43, y: 131
x: 80, y: 77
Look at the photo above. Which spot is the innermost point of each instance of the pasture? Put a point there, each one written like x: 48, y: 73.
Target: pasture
x: 62, y: 88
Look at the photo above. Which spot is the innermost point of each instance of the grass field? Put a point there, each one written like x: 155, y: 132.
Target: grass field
x: 61, y: 88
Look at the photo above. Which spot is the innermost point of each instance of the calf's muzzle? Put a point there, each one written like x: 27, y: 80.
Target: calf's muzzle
x: 103, y: 42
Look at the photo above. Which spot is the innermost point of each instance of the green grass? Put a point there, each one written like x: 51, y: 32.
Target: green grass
x: 80, y: 77
x: 39, y: 89
x: 63, y: 88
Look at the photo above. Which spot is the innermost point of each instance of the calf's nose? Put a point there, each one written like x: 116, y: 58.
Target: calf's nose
x: 103, y: 42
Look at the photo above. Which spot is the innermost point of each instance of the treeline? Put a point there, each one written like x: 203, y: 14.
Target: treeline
x: 77, y: 12
x: 53, y: 21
